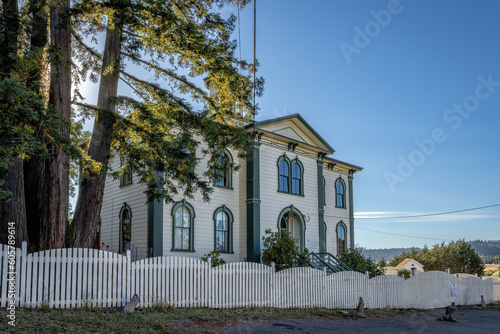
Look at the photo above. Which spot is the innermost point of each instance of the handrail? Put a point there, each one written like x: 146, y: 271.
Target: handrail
x: 328, y: 261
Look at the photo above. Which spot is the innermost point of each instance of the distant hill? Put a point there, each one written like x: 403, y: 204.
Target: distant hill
x: 486, y: 248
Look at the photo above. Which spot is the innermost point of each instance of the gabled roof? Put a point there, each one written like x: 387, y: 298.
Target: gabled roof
x: 405, y: 261
x: 295, y: 128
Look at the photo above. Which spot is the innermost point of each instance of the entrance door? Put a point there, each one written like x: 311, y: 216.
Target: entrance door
x: 291, y: 222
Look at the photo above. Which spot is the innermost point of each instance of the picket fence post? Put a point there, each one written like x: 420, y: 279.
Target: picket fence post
x: 22, y: 274
x: 128, y: 280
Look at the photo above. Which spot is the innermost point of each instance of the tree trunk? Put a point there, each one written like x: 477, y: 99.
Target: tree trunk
x: 54, y: 213
x: 34, y: 168
x: 88, y: 207
x: 12, y: 209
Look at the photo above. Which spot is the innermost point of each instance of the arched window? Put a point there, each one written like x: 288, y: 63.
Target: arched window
x: 126, y: 177
x: 284, y: 175
x: 340, y: 193
x: 223, y: 219
x: 183, y: 225
x: 341, y: 238
x: 290, y: 176
x: 297, y: 172
x: 225, y: 177
x: 284, y: 222
x: 292, y: 220
x: 125, y: 227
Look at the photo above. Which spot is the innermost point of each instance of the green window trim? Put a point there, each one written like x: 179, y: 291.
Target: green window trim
x: 126, y: 177
x: 299, y: 214
x: 324, y: 191
x: 230, y: 220
x: 125, y: 217
x: 341, y: 231
x: 288, y: 176
x: 340, y: 191
x: 227, y: 180
x: 189, y: 208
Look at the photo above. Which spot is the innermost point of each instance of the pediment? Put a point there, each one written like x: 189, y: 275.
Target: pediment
x: 294, y: 128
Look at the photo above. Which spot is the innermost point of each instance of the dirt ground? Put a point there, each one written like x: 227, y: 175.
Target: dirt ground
x: 248, y: 320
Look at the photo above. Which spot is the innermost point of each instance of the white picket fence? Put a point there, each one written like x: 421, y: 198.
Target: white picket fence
x: 69, y: 278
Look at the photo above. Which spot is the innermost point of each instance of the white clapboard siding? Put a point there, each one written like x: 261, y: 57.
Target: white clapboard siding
x: 72, y: 278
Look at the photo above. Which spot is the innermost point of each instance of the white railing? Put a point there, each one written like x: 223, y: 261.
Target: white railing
x: 69, y: 278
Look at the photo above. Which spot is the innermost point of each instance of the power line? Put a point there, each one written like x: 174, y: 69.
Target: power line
x: 429, y: 214
x: 401, y: 235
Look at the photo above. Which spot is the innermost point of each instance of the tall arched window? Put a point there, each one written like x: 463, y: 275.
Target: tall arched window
x: 341, y: 238
x: 126, y: 177
x: 290, y: 176
x: 225, y: 177
x: 284, y: 175
x: 183, y: 221
x: 125, y: 227
x: 297, y: 172
x: 340, y: 193
x: 223, y: 219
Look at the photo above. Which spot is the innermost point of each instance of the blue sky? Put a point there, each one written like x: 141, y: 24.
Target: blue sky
x: 414, y: 77
x: 409, y: 90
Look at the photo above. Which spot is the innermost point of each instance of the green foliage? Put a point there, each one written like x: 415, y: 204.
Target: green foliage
x: 69, y: 235
x: 493, y: 273
x: 354, y: 258
x: 160, y: 128
x: 382, y: 263
x: 405, y: 272
x: 280, y: 248
x: 18, y: 116
x: 303, y: 259
x: 215, y: 258
x: 459, y: 256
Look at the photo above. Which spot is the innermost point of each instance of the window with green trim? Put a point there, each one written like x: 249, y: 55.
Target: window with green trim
x: 225, y: 176
x: 183, y: 224
x: 126, y: 177
x: 290, y: 176
x: 125, y: 227
x: 340, y: 193
x: 284, y: 167
x: 223, y: 220
x: 341, y: 238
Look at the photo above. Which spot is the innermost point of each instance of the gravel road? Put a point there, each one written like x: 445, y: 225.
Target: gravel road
x: 468, y: 321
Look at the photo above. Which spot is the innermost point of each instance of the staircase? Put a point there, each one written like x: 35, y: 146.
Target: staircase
x: 329, y: 262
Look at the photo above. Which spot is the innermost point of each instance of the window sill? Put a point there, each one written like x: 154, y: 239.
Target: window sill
x: 126, y: 185
x: 340, y: 207
x: 283, y: 192
x: 226, y: 252
x: 221, y: 187
x: 183, y: 250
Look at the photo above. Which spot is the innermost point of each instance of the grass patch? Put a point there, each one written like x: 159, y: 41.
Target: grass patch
x: 163, y: 319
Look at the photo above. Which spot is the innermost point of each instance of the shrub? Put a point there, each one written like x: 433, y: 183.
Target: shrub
x: 280, y: 248
x: 406, y: 272
x: 354, y: 258
x: 215, y: 257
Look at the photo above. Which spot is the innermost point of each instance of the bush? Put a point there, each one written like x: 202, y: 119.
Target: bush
x: 355, y: 259
x: 280, y: 248
x: 215, y: 258
x: 406, y: 272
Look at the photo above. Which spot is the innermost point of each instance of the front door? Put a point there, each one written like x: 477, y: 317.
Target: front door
x: 290, y: 222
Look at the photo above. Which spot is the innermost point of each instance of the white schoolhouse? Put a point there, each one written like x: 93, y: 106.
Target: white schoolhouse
x: 288, y: 181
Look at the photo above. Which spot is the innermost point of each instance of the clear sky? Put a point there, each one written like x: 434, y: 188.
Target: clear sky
x: 391, y: 81
x: 409, y: 90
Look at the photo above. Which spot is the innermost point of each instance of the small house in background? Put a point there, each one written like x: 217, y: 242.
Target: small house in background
x: 410, y: 263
